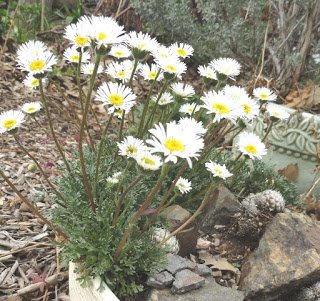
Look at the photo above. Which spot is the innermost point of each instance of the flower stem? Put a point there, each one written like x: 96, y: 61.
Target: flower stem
x: 147, y: 201
x: 121, y: 126
x: 82, y: 128
x: 58, y: 194
x: 268, y: 131
x: 135, y: 65
x: 60, y: 149
x: 33, y: 209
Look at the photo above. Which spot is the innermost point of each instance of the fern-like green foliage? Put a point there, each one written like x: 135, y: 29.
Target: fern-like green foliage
x: 93, y: 239
x: 213, y: 27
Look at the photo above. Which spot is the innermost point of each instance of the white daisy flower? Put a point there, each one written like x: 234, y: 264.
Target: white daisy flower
x: 121, y: 70
x: 72, y: 55
x: 164, y: 99
x: 115, y: 178
x: 140, y: 43
x: 277, y: 111
x: 207, y: 72
x: 175, y: 142
x: 32, y: 107
x: 35, y: 58
x: 218, y: 170
x: 236, y: 93
x: 10, y: 120
x: 163, y: 51
x: 79, y: 33
x: 189, y: 108
x: 120, y: 51
x: 182, y: 50
x: 171, y: 65
x: 131, y: 146
x: 88, y: 69
x: 220, y: 105
x: 106, y: 31
x: 264, y: 94
x: 250, y: 108
x: 191, y: 125
x: 148, y: 161
x: 149, y: 72
x: 183, y: 185
x: 183, y: 90
x: 116, y: 96
x: 251, y: 145
x: 226, y: 66
x: 31, y: 82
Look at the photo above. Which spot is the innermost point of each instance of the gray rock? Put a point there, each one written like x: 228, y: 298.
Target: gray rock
x: 288, y: 257
x: 202, y: 270
x: 220, y: 210
x: 37, y: 195
x: 160, y: 280
x: 177, y: 263
x: 175, y: 215
x: 185, y: 281
x: 210, y: 291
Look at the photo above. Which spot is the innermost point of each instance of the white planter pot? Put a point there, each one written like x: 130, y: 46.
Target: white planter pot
x: 78, y: 293
x: 294, y: 141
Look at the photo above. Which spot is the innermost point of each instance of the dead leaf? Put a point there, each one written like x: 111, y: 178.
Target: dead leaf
x: 291, y: 172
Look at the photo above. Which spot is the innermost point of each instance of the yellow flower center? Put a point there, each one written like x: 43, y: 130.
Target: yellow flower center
x: 9, y: 123
x: 118, y: 53
x: 220, y: 108
x: 181, y: 52
x: 81, y: 41
x: 247, y: 108
x: 35, y: 82
x: 36, y: 65
x: 148, y: 161
x: 102, y: 36
x: 152, y: 74
x: 217, y: 170
x: 173, y: 144
x: 31, y: 109
x: 116, y: 99
x: 263, y: 96
x: 131, y: 150
x: 171, y: 68
x: 121, y: 73
x: 75, y: 58
x: 251, y: 149
x: 142, y: 46
x: 163, y: 54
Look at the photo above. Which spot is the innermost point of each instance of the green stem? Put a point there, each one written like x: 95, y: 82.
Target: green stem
x: 58, y: 194
x: 82, y: 128
x: 268, y: 131
x: 33, y: 209
x: 136, y: 61
x: 147, y: 201
x: 121, y: 126
x: 60, y: 149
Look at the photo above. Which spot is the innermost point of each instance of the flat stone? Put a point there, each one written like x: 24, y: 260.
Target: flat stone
x: 185, y: 281
x: 220, y: 210
x: 288, y: 257
x: 160, y: 280
x: 210, y: 291
x: 177, y: 263
x: 202, y: 270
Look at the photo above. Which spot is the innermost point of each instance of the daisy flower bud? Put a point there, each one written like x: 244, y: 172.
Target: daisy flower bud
x: 251, y: 145
x: 182, y: 90
x: 32, y: 107
x: 183, y: 185
x: 277, y: 112
x: 226, y: 67
x: 182, y: 50
x: 10, y: 121
x: 35, y: 58
x: 116, y: 96
x: 148, y: 161
x: 218, y: 170
x: 115, y: 178
x: 264, y: 94
x: 120, y: 51
x: 165, y: 99
x: 72, y: 55
x: 130, y: 147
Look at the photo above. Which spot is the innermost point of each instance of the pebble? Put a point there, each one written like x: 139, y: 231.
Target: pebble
x: 185, y: 281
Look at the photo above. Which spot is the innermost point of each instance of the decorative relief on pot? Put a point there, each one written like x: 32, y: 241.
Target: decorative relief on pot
x: 299, y: 136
